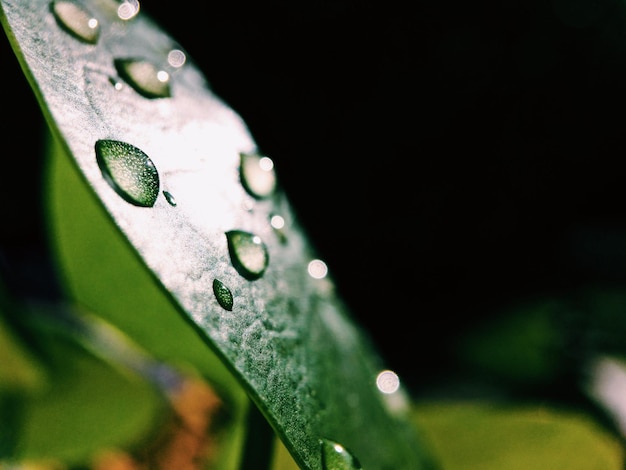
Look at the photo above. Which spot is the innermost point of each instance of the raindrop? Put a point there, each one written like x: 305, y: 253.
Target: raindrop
x: 223, y: 294
x: 144, y: 77
x: 129, y: 171
x: 76, y: 20
x: 169, y: 198
x: 257, y: 174
x: 247, y: 253
x: 337, y: 457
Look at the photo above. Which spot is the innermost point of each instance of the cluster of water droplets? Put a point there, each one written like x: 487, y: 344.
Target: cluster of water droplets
x: 134, y: 177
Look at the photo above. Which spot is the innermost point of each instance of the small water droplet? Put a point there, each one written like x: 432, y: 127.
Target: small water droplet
x: 128, y: 9
x: 171, y: 200
x: 129, y: 171
x: 176, y: 58
x: 116, y: 83
x: 147, y: 79
x: 223, y: 294
x: 76, y: 20
x: 278, y: 224
x: 337, y: 457
x: 387, y: 381
x: 257, y: 174
x: 247, y: 253
x: 317, y: 269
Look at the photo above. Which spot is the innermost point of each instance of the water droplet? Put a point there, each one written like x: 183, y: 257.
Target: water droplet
x: 317, y: 269
x: 176, y: 58
x: 257, y: 174
x: 223, y: 295
x: 129, y: 171
x: 116, y: 83
x: 128, y: 9
x: 74, y: 19
x: 278, y: 224
x: 247, y: 253
x: 387, y: 381
x: 337, y: 457
x: 144, y: 77
x: 171, y: 200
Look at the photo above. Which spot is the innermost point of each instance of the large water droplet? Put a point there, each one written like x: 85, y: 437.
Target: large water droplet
x: 247, y: 253
x: 147, y: 79
x: 223, y: 294
x: 77, y: 21
x: 337, y: 457
x: 129, y: 171
x: 257, y: 174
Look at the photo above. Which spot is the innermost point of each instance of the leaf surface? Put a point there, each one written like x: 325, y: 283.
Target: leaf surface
x: 164, y: 156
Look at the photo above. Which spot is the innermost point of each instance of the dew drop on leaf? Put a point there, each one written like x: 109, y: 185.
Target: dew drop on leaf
x: 247, y: 253
x: 129, y: 171
x: 223, y: 294
x: 147, y: 79
x: 171, y: 200
x: 77, y: 21
x: 257, y: 174
x: 337, y: 457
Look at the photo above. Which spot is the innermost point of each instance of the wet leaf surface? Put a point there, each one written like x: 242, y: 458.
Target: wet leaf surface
x: 288, y: 339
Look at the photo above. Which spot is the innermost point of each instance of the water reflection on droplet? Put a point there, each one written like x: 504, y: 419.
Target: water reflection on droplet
x: 176, y: 58
x: 76, y: 20
x: 171, y: 200
x: 223, y: 295
x: 388, y: 381
x: 317, y: 269
x: 129, y: 171
x: 336, y: 457
x: 128, y: 9
x: 257, y: 174
x: 144, y: 77
x: 248, y: 253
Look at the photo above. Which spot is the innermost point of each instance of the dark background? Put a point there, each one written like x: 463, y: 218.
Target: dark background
x: 448, y: 159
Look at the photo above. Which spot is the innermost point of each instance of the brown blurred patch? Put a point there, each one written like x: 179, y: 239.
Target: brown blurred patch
x: 186, y: 440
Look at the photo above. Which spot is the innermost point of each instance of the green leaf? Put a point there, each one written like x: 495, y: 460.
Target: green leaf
x: 492, y: 435
x: 87, y: 403
x: 288, y: 338
x: 123, y: 292
x: 89, y: 406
